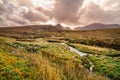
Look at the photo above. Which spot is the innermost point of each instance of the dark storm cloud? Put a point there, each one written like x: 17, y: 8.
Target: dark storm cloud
x: 67, y: 10
x: 8, y: 13
x: 70, y: 12
x: 17, y: 20
x: 94, y: 13
x: 19, y: 12
x: 35, y: 16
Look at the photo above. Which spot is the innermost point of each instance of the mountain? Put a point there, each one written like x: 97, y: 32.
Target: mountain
x: 60, y: 27
x: 39, y: 27
x: 96, y: 26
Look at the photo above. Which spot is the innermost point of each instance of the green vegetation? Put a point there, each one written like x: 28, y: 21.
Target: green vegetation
x: 14, y: 68
x: 51, y: 61
x: 32, y: 54
x: 96, y: 50
x: 108, y: 66
x: 103, y: 38
x: 105, y: 60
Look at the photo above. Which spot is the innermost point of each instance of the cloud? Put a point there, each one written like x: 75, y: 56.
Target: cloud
x: 108, y: 4
x: 19, y: 12
x: 34, y: 16
x: 69, y: 12
x: 94, y: 13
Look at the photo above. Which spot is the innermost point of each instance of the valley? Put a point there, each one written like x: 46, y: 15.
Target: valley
x: 35, y: 54
x: 59, y: 39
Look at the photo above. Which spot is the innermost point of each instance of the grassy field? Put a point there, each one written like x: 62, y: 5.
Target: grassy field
x: 33, y: 54
x: 105, y: 60
x: 96, y: 50
x: 103, y: 38
x: 43, y: 61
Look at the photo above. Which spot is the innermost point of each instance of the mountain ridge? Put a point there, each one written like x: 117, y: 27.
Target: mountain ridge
x: 57, y: 27
x: 95, y: 26
x: 39, y: 27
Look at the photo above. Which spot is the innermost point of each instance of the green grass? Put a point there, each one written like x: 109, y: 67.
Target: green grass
x: 105, y: 60
x: 51, y: 61
x: 96, y: 50
x: 59, y: 50
x: 108, y: 38
x: 109, y: 66
x: 27, y: 54
x: 14, y: 68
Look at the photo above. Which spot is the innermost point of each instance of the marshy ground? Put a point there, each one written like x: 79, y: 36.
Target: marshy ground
x: 41, y: 56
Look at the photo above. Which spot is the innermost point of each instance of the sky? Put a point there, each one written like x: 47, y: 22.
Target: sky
x: 71, y: 13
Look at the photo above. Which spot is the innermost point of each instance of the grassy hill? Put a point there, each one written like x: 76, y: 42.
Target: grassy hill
x: 96, y: 26
x: 36, y: 54
x: 104, y: 38
x: 44, y: 61
x: 106, y: 61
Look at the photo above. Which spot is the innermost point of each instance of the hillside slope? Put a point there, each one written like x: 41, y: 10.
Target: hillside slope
x: 96, y: 26
x: 45, y: 61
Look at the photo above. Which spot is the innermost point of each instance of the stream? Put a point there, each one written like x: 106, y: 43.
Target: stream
x: 72, y: 49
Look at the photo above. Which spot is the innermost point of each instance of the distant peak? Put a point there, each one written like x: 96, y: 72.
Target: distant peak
x: 95, y: 26
x: 58, y: 25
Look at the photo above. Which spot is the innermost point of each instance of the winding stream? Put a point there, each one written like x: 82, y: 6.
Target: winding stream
x: 72, y: 49
x: 91, y: 68
x: 77, y: 51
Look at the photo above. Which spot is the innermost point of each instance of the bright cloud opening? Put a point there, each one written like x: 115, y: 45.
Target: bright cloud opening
x: 45, y: 4
x: 51, y: 22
